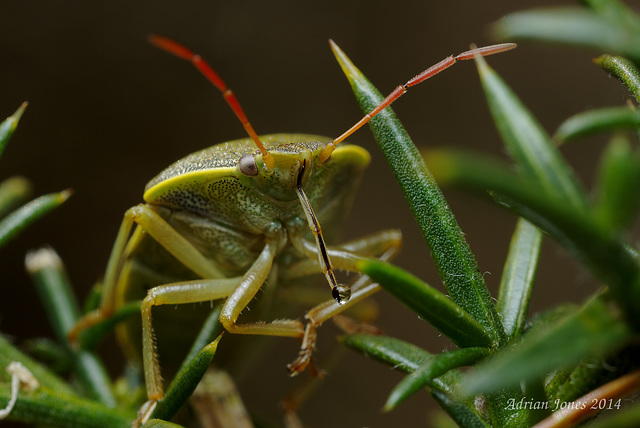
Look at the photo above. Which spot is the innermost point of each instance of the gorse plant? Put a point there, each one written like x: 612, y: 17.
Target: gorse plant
x: 580, y: 359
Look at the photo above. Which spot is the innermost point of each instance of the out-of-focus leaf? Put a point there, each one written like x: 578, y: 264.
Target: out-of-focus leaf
x: 13, y: 192
x: 531, y: 148
x: 94, y: 335
x: 615, y: 12
x: 618, y: 185
x: 14, y: 223
x: 629, y: 417
x: 449, y: 249
x: 53, y: 408
x: 596, y: 330
x: 573, y: 26
x: 599, y: 120
x: 53, y: 287
x: 9, y: 353
x: 518, y: 277
x: 624, y: 70
x: 429, y: 303
x: 434, y: 367
x: 54, y: 355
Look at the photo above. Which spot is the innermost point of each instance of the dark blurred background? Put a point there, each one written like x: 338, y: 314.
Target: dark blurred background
x: 107, y: 112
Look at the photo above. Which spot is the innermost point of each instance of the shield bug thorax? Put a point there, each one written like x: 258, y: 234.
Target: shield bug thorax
x: 227, y: 214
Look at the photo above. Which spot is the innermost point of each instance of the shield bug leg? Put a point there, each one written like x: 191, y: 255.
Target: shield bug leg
x: 246, y: 290
x: 384, y: 245
x: 174, y: 294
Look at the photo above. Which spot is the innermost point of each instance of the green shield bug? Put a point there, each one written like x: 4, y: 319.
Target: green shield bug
x: 219, y: 223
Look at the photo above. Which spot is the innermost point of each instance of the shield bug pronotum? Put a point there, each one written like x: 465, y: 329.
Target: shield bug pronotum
x: 219, y: 223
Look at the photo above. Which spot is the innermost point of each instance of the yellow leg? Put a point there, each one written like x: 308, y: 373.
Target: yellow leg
x: 246, y: 291
x: 385, y: 244
x: 152, y: 223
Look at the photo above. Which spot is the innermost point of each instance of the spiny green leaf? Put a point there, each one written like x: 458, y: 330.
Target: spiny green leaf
x: 395, y: 352
x: 429, y: 303
x: 529, y: 145
x: 609, y: 259
x: 595, y: 121
x: 518, y: 277
x: 596, y: 330
x: 573, y: 26
x: 449, y: 249
x: 185, y: 382
x: 14, y: 223
x: 8, y: 126
x: 624, y: 70
x: 434, y: 367
x: 407, y: 357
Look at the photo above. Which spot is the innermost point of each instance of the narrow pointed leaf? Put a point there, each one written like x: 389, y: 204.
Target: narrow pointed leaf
x: 624, y: 70
x: 435, y: 366
x: 573, y: 26
x: 53, y: 408
x: 8, y: 126
x: 395, y: 352
x: 185, y: 382
x: 449, y: 249
x: 14, y: 191
x: 529, y: 145
x: 14, y: 223
x: 597, y: 329
x: 407, y: 358
x: 211, y: 328
x: 518, y: 277
x: 596, y: 121
x: 54, y: 290
x: 429, y: 303
x: 618, y: 185
x: 609, y: 259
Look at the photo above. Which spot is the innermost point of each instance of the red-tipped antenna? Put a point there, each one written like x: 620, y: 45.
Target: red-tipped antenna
x: 211, y: 75
x: 400, y: 90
